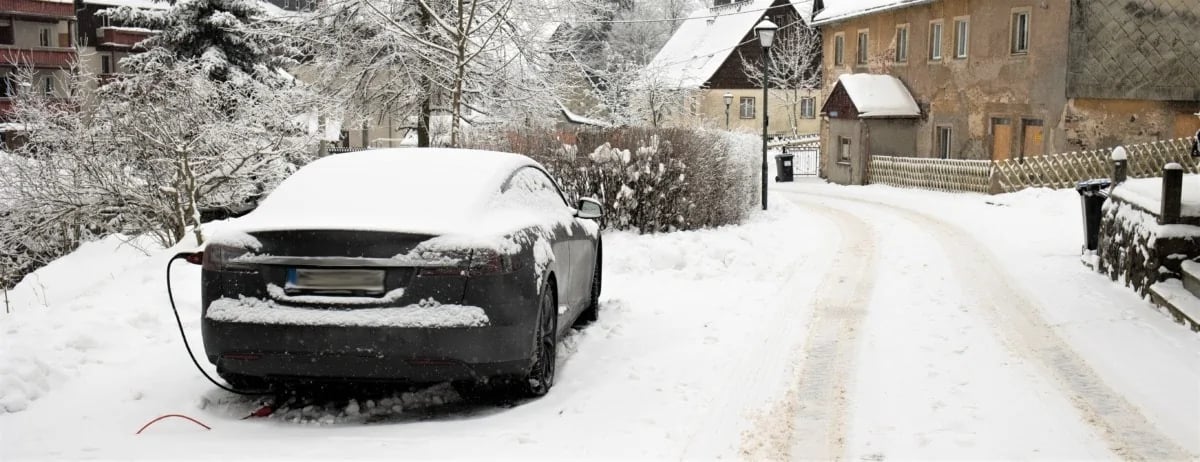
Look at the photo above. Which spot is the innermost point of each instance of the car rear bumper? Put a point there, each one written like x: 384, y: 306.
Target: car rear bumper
x: 292, y: 352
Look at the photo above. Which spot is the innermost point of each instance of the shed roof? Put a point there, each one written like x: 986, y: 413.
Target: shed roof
x: 706, y: 39
x: 878, y: 96
x: 837, y: 10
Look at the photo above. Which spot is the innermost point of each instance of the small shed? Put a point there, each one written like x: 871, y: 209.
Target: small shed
x: 869, y: 114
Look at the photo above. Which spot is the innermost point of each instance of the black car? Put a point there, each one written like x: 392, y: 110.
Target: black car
x: 402, y: 265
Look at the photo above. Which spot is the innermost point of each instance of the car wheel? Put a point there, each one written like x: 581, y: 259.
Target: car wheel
x: 541, y: 376
x: 592, y: 312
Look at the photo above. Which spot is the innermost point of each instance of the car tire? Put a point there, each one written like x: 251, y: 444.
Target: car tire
x: 592, y: 312
x: 540, y: 378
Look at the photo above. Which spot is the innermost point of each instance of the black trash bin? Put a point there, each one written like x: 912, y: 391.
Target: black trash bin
x: 783, y: 166
x: 1092, y: 194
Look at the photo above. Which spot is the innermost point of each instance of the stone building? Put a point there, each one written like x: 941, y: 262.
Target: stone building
x: 1014, y: 78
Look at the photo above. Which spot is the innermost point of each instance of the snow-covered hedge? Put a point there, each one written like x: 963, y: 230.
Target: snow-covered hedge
x: 649, y: 180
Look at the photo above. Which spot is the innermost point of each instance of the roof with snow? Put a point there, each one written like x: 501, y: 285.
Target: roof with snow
x: 706, y: 39
x: 878, y: 96
x: 838, y: 10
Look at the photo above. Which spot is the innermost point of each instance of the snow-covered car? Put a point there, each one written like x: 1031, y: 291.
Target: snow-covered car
x: 403, y: 265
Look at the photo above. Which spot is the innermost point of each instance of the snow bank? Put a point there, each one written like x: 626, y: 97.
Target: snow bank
x: 425, y: 314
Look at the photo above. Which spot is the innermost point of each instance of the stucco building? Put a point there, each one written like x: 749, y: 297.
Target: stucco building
x: 702, y: 61
x: 1002, y: 79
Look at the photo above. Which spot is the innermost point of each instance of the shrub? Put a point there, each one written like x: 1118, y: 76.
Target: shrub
x: 649, y: 180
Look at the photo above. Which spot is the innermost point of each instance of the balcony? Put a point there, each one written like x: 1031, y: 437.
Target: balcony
x: 41, y: 57
x: 37, y: 9
x: 120, y: 38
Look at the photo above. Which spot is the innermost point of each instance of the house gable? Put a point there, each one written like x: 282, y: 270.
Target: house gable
x: 839, y: 105
x: 731, y: 74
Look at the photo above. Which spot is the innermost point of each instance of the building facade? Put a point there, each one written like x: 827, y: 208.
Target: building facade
x: 36, y: 35
x: 704, y: 61
x: 1004, y: 79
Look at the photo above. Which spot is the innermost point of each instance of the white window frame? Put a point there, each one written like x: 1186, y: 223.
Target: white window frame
x: 48, y: 85
x: 808, y: 107
x: 106, y: 66
x: 839, y: 49
x: 44, y: 38
x: 962, y: 37
x: 747, y: 102
x: 902, y: 39
x: 937, y: 32
x: 1019, y: 31
x: 844, y: 146
x: 862, y: 47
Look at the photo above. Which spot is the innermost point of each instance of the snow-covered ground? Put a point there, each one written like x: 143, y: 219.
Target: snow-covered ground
x: 865, y: 323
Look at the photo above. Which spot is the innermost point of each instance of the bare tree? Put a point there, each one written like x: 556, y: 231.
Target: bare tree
x: 795, y: 67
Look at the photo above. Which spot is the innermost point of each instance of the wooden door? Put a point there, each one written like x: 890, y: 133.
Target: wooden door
x: 1032, y: 138
x: 1001, y: 139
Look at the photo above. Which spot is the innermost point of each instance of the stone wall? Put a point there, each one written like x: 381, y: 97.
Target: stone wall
x: 1136, y: 250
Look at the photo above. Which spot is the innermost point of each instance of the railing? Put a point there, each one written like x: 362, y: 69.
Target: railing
x: 38, y: 8
x: 51, y: 57
x: 1053, y: 171
x: 1066, y: 169
x: 124, y: 37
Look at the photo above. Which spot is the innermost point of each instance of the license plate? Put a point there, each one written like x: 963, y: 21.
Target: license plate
x: 335, y: 280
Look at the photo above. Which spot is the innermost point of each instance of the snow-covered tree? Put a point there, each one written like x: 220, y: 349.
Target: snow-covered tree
x: 218, y: 34
x: 476, y: 62
x: 795, y: 67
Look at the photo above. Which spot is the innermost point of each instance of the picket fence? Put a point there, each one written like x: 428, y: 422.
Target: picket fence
x: 1054, y: 171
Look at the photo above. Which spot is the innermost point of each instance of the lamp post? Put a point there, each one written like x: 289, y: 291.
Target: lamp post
x: 728, y: 101
x: 766, y: 36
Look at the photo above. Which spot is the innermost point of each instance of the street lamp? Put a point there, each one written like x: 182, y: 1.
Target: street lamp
x: 766, y: 36
x: 728, y: 101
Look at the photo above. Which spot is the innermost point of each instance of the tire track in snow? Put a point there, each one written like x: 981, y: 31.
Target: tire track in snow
x: 1126, y: 431
x: 810, y: 421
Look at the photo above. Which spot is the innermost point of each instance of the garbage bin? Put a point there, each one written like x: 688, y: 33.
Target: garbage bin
x: 1092, y: 194
x: 783, y: 166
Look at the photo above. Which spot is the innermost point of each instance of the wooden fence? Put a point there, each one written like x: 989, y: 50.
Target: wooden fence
x: 1065, y: 170
x: 935, y: 174
x: 1051, y: 171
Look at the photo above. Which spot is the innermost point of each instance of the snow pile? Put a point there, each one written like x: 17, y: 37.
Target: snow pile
x: 837, y: 10
x: 1147, y: 194
x: 425, y: 314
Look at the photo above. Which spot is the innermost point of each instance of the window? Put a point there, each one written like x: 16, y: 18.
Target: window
x: 48, y: 85
x: 839, y: 49
x: 935, y: 41
x: 961, y: 38
x: 1020, y: 32
x: 6, y: 32
x: 808, y: 107
x: 106, y: 65
x: 902, y: 43
x: 746, y: 107
x: 943, y: 142
x: 44, y: 37
x: 843, y: 149
x: 531, y: 188
x: 862, y: 48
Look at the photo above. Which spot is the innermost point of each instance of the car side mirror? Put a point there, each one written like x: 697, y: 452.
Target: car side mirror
x: 590, y: 209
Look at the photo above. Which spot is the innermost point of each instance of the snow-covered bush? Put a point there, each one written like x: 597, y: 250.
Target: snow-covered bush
x: 648, y: 180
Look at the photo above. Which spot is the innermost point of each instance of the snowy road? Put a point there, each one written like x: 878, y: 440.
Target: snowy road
x: 847, y: 323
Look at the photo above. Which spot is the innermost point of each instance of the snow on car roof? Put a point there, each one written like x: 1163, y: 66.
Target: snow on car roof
x: 415, y: 190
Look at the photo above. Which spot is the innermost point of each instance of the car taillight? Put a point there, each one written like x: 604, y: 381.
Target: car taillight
x: 224, y: 258
x: 491, y: 262
x: 481, y: 262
